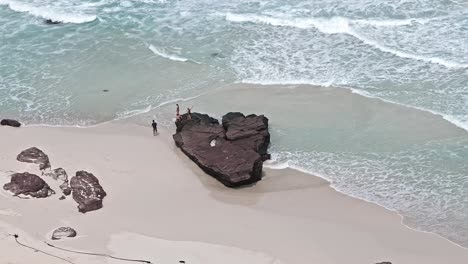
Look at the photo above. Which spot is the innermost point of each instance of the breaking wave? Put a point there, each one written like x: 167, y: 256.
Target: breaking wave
x: 48, y: 13
x: 341, y: 25
x: 168, y: 56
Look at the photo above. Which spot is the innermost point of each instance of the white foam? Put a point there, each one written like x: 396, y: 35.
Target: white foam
x: 166, y: 55
x: 48, y: 12
x: 341, y: 25
x: 449, y: 118
x: 407, y: 55
x: 288, y: 82
x: 132, y: 113
x: 391, y: 22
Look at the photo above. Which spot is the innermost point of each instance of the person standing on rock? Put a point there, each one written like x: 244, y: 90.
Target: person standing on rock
x: 189, y: 113
x: 155, y: 128
x: 177, y: 112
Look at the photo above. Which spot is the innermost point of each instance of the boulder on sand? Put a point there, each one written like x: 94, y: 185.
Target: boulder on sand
x: 60, y: 174
x: 34, y: 155
x: 87, y: 191
x: 10, y: 122
x: 233, y: 153
x: 28, y: 184
x: 62, y: 232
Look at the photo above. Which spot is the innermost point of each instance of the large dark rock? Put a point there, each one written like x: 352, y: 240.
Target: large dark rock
x: 232, y: 152
x: 28, y: 184
x: 195, y: 119
x: 34, y: 155
x: 248, y: 132
x: 87, y: 191
x: 62, y: 232
x: 10, y: 122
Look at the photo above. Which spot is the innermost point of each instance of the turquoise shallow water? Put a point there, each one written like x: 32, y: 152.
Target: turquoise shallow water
x: 150, y: 54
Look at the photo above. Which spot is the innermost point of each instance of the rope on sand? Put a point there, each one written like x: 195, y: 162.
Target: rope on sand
x: 73, y: 251
x: 99, y: 255
x: 38, y: 250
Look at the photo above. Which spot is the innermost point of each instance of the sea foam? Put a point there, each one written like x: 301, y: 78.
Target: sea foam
x: 341, y: 25
x: 48, y: 12
x: 160, y: 52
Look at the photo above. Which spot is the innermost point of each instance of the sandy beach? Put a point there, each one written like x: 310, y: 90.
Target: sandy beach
x: 161, y: 208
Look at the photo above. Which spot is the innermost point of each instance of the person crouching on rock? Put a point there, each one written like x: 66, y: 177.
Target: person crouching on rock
x: 155, y: 128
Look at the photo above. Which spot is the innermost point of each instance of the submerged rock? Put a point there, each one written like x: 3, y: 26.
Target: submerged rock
x: 10, y: 122
x: 232, y: 153
x: 34, y: 155
x: 28, y: 184
x: 62, y: 232
x: 52, y: 22
x: 87, y: 191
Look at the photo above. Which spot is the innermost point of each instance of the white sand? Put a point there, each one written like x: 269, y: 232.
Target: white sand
x: 162, y: 208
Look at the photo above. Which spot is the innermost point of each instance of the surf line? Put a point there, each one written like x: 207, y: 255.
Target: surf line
x: 73, y: 251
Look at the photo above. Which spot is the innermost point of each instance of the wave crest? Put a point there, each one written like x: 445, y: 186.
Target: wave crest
x: 48, y: 13
x: 166, y: 55
x: 341, y: 25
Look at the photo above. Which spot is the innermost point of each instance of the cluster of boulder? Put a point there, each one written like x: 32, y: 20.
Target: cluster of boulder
x: 84, y: 186
x: 233, y: 151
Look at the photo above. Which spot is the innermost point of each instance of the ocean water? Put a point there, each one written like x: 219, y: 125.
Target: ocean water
x: 372, y: 95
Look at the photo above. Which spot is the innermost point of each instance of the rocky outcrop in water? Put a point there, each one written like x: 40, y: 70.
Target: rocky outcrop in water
x: 61, y: 175
x: 52, y: 22
x: 233, y: 153
x: 34, y: 155
x: 62, y: 232
x: 87, y: 191
x: 28, y: 184
x: 10, y: 122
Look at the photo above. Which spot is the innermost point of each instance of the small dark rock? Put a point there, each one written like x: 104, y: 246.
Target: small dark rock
x: 60, y: 174
x: 217, y: 55
x: 87, y: 191
x: 385, y: 262
x: 52, y: 22
x: 34, y: 155
x: 62, y: 232
x: 105, y: 90
x: 10, y: 122
x: 66, y: 191
x: 28, y: 184
x: 62, y: 197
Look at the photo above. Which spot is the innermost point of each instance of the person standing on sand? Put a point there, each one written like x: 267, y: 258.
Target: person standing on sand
x: 177, y: 113
x: 155, y: 128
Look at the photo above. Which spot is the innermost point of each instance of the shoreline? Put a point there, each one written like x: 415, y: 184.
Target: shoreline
x: 402, y: 217
x: 269, y: 199
x: 241, y: 85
